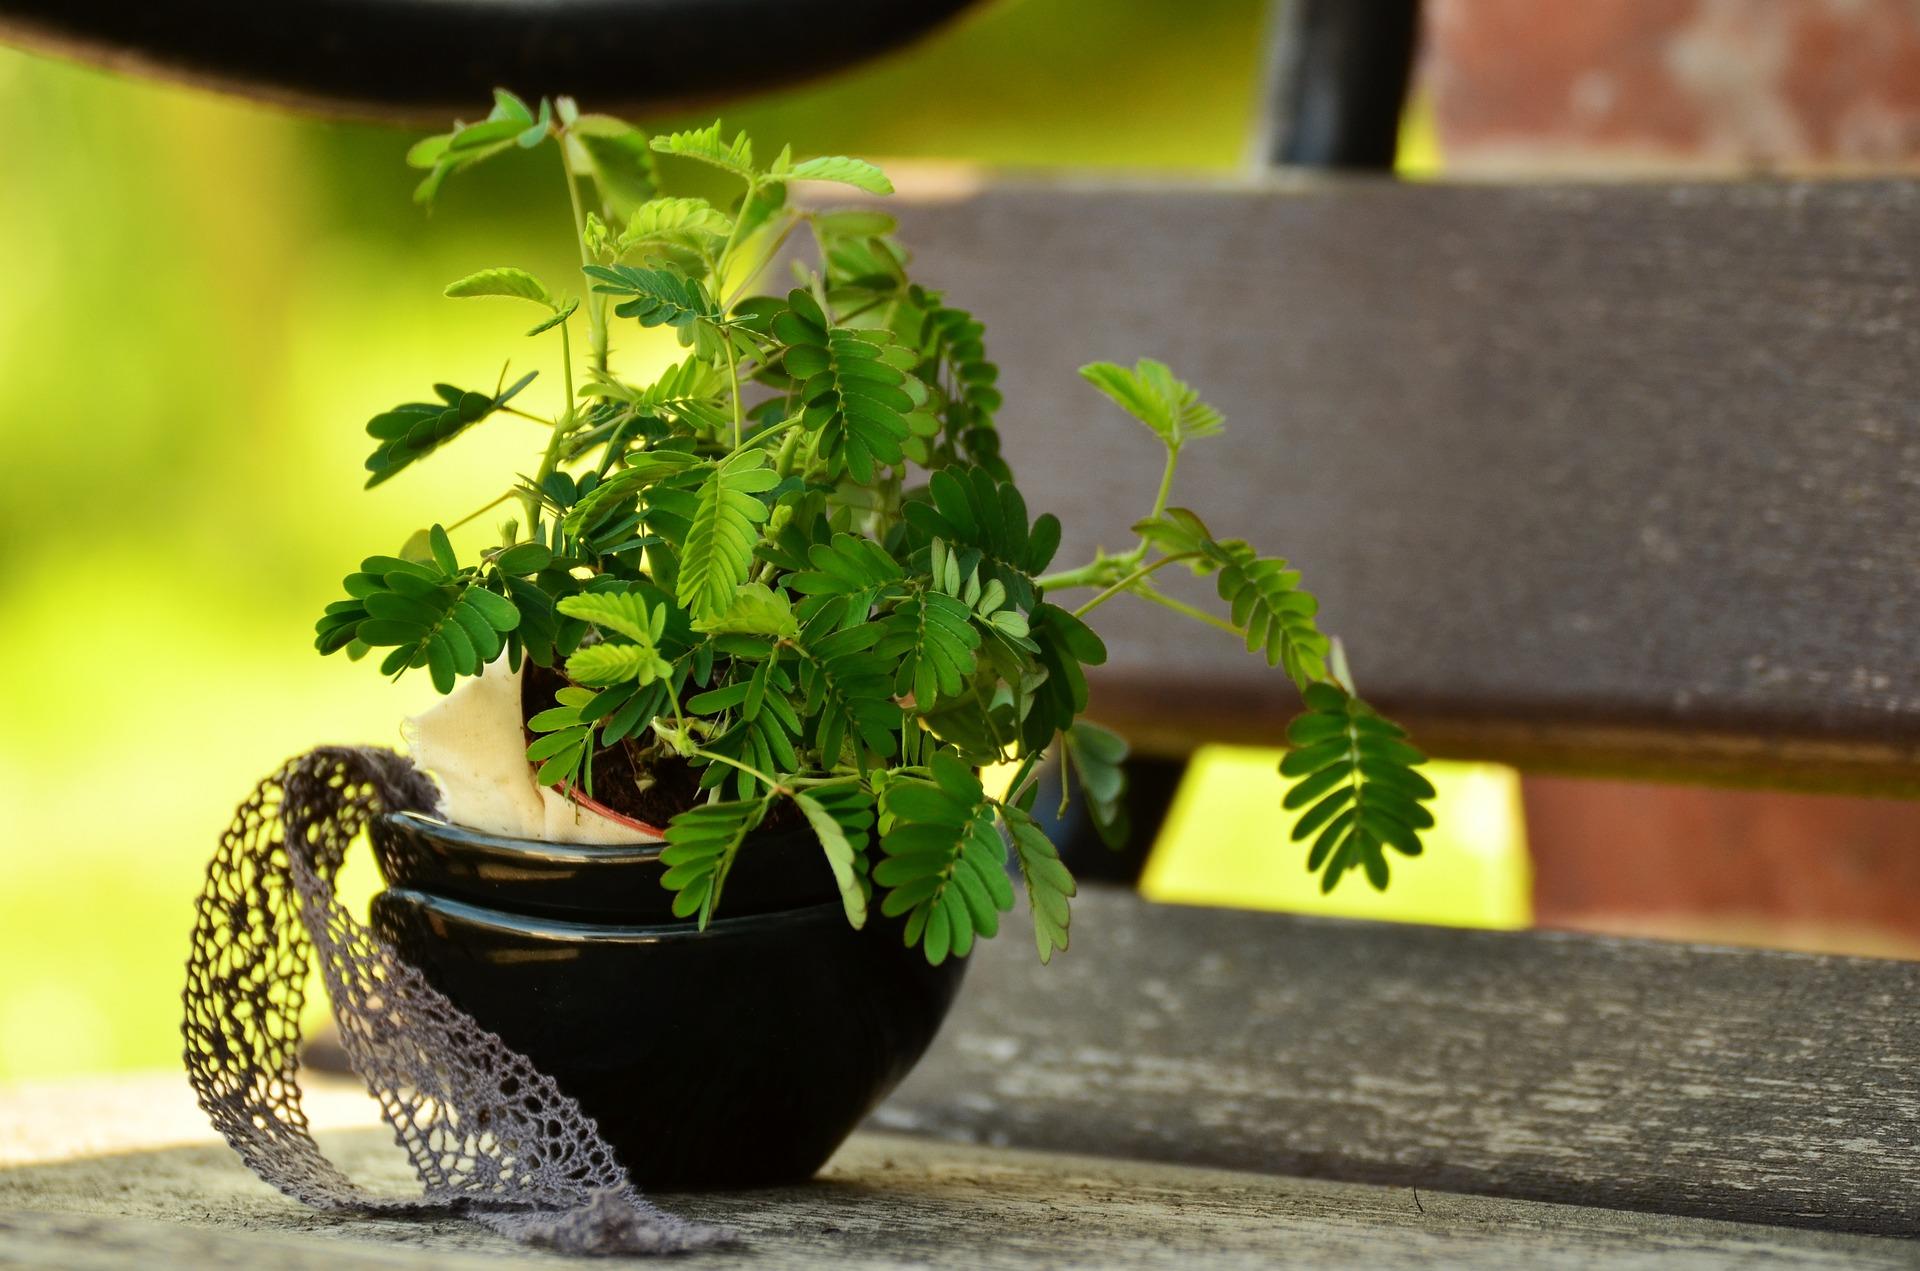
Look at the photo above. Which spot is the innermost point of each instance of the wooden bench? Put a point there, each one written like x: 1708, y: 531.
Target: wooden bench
x: 1597, y: 479
x: 1623, y: 473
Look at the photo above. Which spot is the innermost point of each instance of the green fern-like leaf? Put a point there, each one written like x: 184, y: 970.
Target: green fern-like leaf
x: 847, y: 690
x: 934, y: 638
x: 563, y: 751
x: 1097, y: 758
x: 1264, y: 595
x: 944, y: 862
x: 644, y: 468
x: 685, y: 224
x: 428, y: 613
x: 504, y: 281
x: 1356, y: 770
x: 622, y: 612
x: 702, y: 844
x: 659, y: 297
x: 1150, y: 393
x: 718, y: 552
x: 706, y: 145
x: 755, y: 609
x: 414, y: 430
x: 846, y: 566
x: 841, y: 814
x: 1065, y: 646
x: 839, y: 169
x: 599, y: 665
x: 854, y: 387
x: 967, y: 507
x: 1050, y: 885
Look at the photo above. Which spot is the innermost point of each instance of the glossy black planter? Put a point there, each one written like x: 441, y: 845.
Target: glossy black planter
x: 741, y: 1055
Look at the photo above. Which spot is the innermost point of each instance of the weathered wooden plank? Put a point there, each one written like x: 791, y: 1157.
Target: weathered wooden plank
x: 1617, y: 478
x: 1736, y: 1084
x: 890, y: 1201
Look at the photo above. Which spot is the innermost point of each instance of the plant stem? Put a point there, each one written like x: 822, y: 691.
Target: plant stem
x: 596, y: 303
x: 1198, y: 615
x: 771, y: 783
x: 733, y: 382
x: 1129, y: 581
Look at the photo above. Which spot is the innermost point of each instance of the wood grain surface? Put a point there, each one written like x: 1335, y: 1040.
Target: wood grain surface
x: 885, y: 1201
x: 1736, y: 1084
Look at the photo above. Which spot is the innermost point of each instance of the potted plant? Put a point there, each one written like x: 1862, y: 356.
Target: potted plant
x: 783, y: 603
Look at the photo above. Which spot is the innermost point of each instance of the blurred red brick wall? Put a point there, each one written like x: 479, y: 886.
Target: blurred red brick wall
x: 1666, y: 85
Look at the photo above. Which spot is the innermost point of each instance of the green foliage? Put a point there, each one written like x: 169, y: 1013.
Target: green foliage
x: 1263, y: 594
x: 1150, y: 393
x: 798, y: 560
x: 1049, y: 884
x: 701, y: 846
x: 852, y: 387
x: 944, y: 863
x: 430, y: 613
x: 708, y: 146
x: 1356, y: 770
x: 1095, y: 756
x: 414, y: 430
x: 842, y: 815
x: 719, y: 546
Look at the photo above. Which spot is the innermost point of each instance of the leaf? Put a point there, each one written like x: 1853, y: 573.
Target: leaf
x: 1264, y: 597
x: 706, y: 146
x: 659, y: 297
x: 599, y: 665
x: 1049, y: 884
x: 718, y: 551
x: 934, y: 638
x: 702, y: 843
x: 693, y: 392
x: 1097, y: 757
x: 504, y: 281
x: 688, y: 223
x: 847, y: 690
x: 1066, y: 645
x: 1150, y: 393
x: 852, y: 385
x: 850, y: 816
x: 967, y: 507
x: 1353, y: 771
x: 847, y: 565
x: 622, y: 612
x: 943, y: 863
x: 413, y: 430
x: 643, y: 468
x: 559, y: 315
x: 840, y: 169
x: 755, y: 609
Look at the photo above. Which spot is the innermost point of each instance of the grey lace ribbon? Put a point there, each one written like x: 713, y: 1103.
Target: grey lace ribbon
x: 490, y: 1136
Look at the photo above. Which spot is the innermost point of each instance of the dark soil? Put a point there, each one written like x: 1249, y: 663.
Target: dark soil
x: 647, y: 783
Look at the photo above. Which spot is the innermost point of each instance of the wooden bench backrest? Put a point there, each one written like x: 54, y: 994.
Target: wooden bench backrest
x: 1604, y: 478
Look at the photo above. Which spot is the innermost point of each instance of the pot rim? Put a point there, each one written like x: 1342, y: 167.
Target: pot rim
x: 547, y: 849
x: 560, y: 931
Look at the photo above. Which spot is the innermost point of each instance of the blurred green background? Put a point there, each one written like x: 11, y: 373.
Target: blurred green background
x: 202, y: 300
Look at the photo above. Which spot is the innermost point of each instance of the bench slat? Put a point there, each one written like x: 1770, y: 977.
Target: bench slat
x: 1599, y: 478
x: 1736, y: 1084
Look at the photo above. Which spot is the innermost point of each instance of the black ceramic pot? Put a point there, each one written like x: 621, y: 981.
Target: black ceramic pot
x: 739, y: 1055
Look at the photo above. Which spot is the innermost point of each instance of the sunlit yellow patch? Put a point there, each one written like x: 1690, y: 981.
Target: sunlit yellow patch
x: 1226, y: 842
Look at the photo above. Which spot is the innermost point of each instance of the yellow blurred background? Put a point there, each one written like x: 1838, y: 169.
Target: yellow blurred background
x: 201, y: 302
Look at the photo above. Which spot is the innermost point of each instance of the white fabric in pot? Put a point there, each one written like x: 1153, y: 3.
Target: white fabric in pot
x: 474, y: 744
